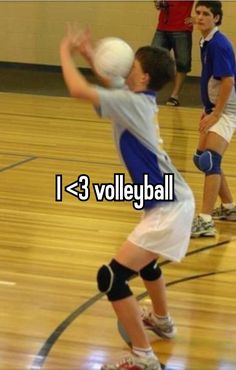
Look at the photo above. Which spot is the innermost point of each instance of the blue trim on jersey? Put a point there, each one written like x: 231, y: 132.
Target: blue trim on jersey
x: 218, y: 61
x: 147, y: 92
x: 140, y: 160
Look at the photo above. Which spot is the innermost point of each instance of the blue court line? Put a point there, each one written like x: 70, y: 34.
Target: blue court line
x: 51, y: 340
x: 17, y: 164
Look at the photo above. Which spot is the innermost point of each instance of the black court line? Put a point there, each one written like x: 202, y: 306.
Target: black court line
x: 188, y: 278
x: 17, y: 164
x: 66, y: 160
x: 58, y: 118
x: 91, y: 162
x: 44, y: 351
x: 51, y: 340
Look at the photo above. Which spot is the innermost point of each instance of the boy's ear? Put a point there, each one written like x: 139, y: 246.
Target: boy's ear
x: 146, y: 79
x: 216, y: 18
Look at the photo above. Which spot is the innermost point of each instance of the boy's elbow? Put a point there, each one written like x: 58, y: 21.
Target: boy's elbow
x: 75, y: 93
x: 86, y: 94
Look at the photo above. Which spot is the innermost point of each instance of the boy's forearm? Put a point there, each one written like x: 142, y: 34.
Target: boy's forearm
x: 72, y: 76
x: 225, y: 91
x: 75, y: 81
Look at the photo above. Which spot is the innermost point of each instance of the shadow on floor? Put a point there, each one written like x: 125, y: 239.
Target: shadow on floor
x: 46, y: 80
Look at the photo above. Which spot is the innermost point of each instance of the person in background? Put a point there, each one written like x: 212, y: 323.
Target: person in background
x: 218, y: 122
x: 174, y: 32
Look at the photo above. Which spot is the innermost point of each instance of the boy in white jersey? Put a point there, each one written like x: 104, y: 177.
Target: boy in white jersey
x: 218, y: 123
x: 164, y: 229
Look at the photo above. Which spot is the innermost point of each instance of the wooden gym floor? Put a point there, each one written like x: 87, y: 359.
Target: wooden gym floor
x: 51, y: 315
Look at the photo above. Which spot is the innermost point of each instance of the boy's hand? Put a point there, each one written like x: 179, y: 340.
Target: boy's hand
x: 78, y: 41
x: 207, y: 121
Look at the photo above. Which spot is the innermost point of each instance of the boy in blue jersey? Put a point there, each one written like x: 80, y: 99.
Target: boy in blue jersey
x: 165, y: 227
x: 218, y: 123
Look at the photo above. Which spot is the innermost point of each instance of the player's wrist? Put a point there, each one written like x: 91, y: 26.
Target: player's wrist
x: 217, y: 114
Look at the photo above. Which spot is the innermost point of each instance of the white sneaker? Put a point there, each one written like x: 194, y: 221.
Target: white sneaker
x: 163, y: 328
x: 134, y: 363
x: 201, y: 227
x: 222, y: 213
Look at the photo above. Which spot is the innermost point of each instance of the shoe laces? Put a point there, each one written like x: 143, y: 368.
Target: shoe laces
x: 166, y: 324
x: 199, y: 222
x: 145, y: 313
x: 126, y: 362
x: 219, y: 211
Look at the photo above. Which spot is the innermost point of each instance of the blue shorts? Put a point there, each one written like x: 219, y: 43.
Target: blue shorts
x: 180, y: 43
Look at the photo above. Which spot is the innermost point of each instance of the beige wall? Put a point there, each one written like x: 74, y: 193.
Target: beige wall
x: 30, y: 31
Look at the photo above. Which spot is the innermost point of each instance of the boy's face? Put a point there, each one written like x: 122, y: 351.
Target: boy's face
x: 137, y: 79
x: 205, y: 19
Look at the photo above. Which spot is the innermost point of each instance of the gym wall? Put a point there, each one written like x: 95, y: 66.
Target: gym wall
x: 31, y: 30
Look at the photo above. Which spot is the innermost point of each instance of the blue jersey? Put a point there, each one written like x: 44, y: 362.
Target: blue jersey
x: 218, y: 61
x: 137, y: 140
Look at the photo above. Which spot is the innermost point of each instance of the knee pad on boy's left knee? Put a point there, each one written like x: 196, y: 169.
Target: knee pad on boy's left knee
x: 151, y: 271
x: 113, y: 279
x: 210, y: 162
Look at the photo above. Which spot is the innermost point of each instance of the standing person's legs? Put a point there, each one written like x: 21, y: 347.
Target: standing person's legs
x: 161, y: 40
x: 182, y: 47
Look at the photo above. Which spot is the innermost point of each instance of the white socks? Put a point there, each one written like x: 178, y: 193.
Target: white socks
x: 228, y: 205
x: 143, y: 352
x: 206, y: 218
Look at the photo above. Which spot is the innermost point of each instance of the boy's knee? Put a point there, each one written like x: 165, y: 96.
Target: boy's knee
x: 113, y: 279
x: 151, y: 271
x: 208, y: 162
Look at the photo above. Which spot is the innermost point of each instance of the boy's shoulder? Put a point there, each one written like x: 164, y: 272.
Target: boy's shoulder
x: 220, y: 40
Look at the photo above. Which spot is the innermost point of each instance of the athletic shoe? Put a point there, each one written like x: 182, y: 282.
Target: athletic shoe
x: 222, y: 213
x: 172, y: 102
x: 164, y: 328
x: 135, y: 363
x: 201, y: 227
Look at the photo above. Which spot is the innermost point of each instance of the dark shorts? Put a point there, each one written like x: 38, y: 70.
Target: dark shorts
x: 180, y: 43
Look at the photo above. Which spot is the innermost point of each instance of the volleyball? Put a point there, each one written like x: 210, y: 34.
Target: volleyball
x: 113, y: 57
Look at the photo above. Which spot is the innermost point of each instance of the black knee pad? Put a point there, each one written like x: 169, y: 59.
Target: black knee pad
x: 112, y: 280
x: 151, y: 271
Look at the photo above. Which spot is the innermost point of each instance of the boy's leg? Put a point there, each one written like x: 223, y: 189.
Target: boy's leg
x: 158, y: 319
x: 227, y: 208
x: 224, y: 191
x: 203, y: 224
x: 127, y: 310
x: 210, y: 193
x: 128, y: 313
x: 157, y: 293
x: 212, y: 183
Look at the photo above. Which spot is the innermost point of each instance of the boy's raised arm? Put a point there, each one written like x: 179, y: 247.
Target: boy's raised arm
x: 77, y: 85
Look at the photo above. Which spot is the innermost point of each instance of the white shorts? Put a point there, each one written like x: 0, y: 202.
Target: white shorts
x: 225, y: 127
x: 165, y: 230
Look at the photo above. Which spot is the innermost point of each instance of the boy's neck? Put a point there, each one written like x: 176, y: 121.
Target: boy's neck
x: 205, y: 34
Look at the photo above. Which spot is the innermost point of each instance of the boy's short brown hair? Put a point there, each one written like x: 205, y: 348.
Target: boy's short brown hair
x: 159, y: 65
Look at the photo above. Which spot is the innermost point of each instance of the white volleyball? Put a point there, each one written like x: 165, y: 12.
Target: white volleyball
x: 113, y: 57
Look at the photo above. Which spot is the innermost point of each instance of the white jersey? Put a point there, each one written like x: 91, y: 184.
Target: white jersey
x: 136, y: 137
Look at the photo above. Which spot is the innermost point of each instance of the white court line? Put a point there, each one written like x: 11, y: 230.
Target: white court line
x: 7, y: 282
